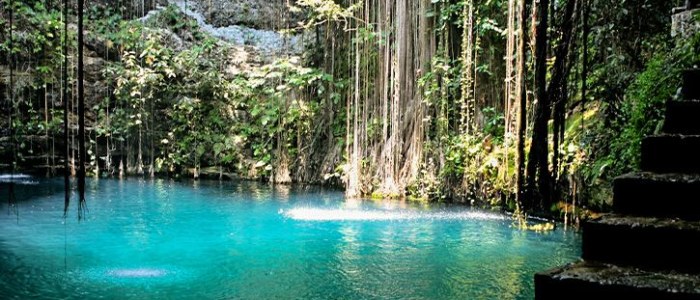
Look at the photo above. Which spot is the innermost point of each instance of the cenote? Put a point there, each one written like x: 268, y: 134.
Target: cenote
x: 226, y: 240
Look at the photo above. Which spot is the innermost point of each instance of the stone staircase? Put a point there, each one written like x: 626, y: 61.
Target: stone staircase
x: 646, y: 248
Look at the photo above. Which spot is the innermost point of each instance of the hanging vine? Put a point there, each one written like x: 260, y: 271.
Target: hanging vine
x: 81, y: 112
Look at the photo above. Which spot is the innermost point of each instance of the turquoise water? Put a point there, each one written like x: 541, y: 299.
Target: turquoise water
x: 161, y: 239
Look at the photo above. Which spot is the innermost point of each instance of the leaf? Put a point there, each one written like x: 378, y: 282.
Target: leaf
x: 218, y: 147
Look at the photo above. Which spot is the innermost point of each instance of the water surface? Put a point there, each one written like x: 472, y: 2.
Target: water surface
x: 147, y: 239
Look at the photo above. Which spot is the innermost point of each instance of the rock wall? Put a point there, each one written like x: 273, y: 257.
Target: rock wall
x: 270, y: 42
x: 685, y: 22
x: 257, y: 14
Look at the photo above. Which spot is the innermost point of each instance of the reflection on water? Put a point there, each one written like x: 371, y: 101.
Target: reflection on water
x: 181, y: 240
x: 317, y: 214
x: 282, y: 192
x: 18, y: 179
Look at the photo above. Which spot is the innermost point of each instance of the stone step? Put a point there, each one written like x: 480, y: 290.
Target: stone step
x: 671, y: 153
x: 649, y: 243
x: 691, y: 84
x: 682, y: 117
x: 592, y: 280
x: 657, y: 195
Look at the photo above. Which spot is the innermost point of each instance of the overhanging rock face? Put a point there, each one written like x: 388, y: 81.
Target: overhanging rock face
x: 644, y: 250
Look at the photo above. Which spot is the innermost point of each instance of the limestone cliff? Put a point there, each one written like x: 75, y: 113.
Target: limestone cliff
x: 265, y: 15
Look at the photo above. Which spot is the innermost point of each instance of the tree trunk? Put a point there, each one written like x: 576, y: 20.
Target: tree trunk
x: 522, y: 104
x: 538, y: 182
x: 557, y: 87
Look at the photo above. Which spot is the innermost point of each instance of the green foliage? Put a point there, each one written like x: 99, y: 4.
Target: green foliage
x: 640, y: 30
x: 615, y: 145
x: 172, y: 19
x: 36, y: 51
x: 36, y: 36
x: 324, y: 11
x: 476, y: 164
x: 198, y: 117
x: 494, y: 125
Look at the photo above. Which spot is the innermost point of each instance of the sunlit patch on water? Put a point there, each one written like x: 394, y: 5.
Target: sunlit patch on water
x: 318, y: 214
x: 137, y: 273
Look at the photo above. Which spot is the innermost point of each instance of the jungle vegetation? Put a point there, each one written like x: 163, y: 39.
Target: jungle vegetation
x: 526, y: 105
